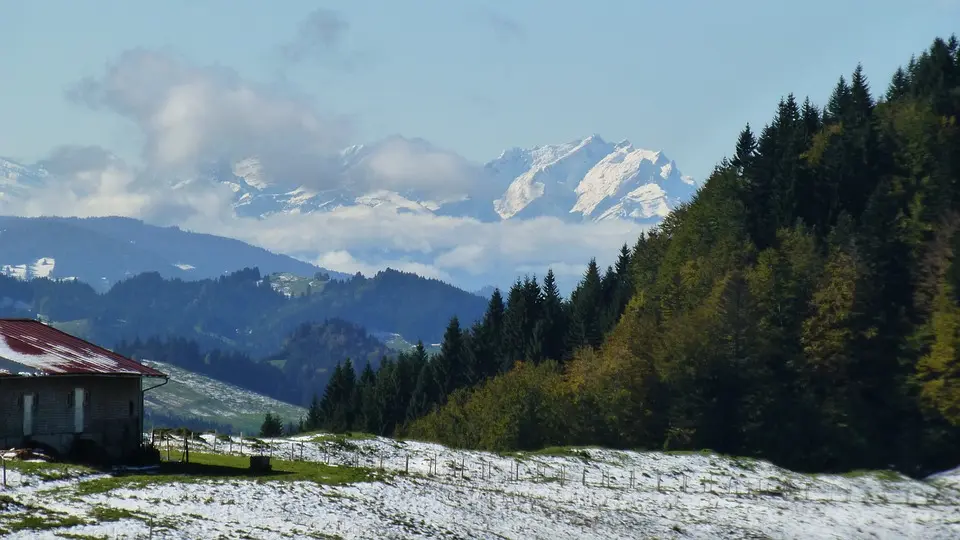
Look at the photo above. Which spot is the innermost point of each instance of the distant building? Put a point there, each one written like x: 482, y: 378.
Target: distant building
x: 61, y: 392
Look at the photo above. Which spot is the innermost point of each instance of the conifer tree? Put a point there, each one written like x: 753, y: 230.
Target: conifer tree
x: 585, y: 301
x: 746, y: 147
x: 314, y: 419
x: 487, y: 343
x: 839, y: 104
x: 426, y: 393
x: 554, y: 328
x: 452, y: 364
x: 272, y: 426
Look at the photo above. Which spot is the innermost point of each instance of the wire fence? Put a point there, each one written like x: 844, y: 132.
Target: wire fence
x: 569, y: 474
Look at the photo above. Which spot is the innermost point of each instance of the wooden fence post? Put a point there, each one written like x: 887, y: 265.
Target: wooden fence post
x: 584, y: 476
x: 406, y: 466
x: 4, y: 461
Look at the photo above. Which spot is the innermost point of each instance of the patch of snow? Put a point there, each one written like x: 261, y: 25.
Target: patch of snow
x: 252, y: 173
x: 431, y: 491
x: 184, y: 266
x: 42, y: 267
x: 18, y: 271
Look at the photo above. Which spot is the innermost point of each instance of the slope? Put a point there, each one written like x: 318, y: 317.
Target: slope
x: 803, y: 307
x: 338, y: 490
x: 189, y: 397
x: 102, y: 251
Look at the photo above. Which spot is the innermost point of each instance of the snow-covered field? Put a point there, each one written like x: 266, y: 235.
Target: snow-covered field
x: 429, y: 491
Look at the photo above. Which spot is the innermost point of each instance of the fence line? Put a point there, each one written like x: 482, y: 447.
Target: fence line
x: 591, y: 475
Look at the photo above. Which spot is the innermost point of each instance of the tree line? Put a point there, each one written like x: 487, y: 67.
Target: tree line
x: 242, y: 311
x: 534, y: 323
x: 804, y: 307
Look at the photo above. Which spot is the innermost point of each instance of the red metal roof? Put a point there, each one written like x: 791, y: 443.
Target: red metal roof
x: 37, y: 349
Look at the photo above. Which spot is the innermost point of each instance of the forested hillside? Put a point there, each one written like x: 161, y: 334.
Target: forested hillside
x: 291, y: 374
x: 240, y: 311
x: 803, y: 307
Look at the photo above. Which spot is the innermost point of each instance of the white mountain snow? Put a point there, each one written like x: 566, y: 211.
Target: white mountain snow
x: 40, y: 268
x: 584, y: 180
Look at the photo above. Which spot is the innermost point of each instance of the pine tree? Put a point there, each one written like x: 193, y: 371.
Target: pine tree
x: 899, y: 85
x: 746, y: 147
x: 272, y: 426
x: 426, y: 393
x: 861, y: 103
x: 366, y: 410
x: 839, y: 105
x: 314, y: 419
x: 554, y: 327
x: 452, y: 370
x: 516, y: 326
x: 487, y: 343
x: 585, y: 301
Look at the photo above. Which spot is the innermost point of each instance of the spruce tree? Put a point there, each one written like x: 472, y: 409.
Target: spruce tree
x: 453, y: 362
x: 314, y: 419
x: 487, y: 343
x: 840, y: 103
x: 746, y: 147
x: 554, y: 328
x: 272, y: 426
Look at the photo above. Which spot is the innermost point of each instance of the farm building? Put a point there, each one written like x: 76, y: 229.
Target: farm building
x: 62, y: 393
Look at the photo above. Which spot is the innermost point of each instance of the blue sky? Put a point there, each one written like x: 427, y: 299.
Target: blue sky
x: 474, y: 77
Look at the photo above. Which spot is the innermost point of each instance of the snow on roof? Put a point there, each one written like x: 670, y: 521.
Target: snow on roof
x: 37, y: 349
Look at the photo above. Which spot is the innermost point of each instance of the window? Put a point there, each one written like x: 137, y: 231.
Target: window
x: 33, y: 400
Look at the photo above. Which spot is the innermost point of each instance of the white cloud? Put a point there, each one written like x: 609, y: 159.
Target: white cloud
x: 401, y: 163
x: 192, y: 114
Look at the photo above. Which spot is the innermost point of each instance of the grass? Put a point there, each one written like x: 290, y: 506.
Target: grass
x: 339, y: 437
x: 108, y: 513
x: 205, y: 467
x: 39, y: 519
x: 883, y: 475
x: 48, y: 471
x: 556, y: 451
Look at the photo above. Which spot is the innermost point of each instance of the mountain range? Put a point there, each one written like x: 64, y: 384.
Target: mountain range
x: 104, y: 250
x: 583, y: 180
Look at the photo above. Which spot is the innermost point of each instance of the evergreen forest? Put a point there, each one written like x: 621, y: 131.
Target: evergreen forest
x: 804, y: 307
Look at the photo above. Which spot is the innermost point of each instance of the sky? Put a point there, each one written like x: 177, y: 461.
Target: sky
x: 471, y: 77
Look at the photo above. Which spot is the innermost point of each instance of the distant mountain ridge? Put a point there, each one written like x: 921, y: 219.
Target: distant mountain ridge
x: 588, y: 179
x: 584, y: 180
x: 104, y: 250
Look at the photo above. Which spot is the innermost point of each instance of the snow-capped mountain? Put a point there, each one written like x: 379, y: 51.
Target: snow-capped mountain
x: 590, y: 180
x: 17, y: 179
x: 585, y: 180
